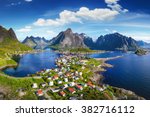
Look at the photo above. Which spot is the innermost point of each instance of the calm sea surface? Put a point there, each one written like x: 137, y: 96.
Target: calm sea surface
x: 31, y: 63
x: 131, y: 72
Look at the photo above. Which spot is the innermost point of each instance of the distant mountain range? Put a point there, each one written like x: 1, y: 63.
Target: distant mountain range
x: 35, y: 42
x: 69, y: 39
x: 143, y: 44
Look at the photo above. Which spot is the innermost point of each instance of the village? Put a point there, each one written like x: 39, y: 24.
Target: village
x: 72, y: 76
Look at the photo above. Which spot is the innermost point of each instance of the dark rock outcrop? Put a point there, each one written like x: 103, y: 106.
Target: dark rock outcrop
x: 88, y: 41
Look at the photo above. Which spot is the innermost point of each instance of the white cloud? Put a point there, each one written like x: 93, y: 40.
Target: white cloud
x: 28, y: 0
x: 66, y: 16
x: 145, y: 38
x: 111, y: 1
x: 139, y: 36
x: 113, y: 4
x: 96, y: 14
x: 13, y: 4
x: 25, y: 29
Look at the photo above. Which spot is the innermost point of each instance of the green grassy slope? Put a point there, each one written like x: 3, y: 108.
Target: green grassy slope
x: 10, y: 85
x: 8, y: 47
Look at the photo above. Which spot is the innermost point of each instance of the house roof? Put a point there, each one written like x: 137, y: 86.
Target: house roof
x: 71, y: 89
x: 79, y: 86
x: 90, y: 84
x: 40, y: 91
x: 62, y: 93
x: 56, y: 76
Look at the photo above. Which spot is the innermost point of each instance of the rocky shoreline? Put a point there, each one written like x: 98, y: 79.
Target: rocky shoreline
x: 7, y: 66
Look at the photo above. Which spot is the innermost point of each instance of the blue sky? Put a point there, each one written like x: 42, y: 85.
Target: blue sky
x: 46, y: 18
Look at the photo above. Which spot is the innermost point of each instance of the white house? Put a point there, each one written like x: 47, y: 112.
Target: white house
x: 64, y: 60
x: 80, y: 73
x: 56, y: 70
x: 60, y: 73
x: 85, y: 85
x: 76, y: 72
x: 66, y: 79
x: 59, y: 82
x: 76, y: 78
x: 66, y: 85
x: 51, y: 83
x: 59, y: 60
x: 43, y: 84
x: 48, y: 70
x: 55, y: 90
x: 34, y: 85
x: 72, y: 84
x: 49, y: 78
x: 101, y: 89
x: 83, y: 67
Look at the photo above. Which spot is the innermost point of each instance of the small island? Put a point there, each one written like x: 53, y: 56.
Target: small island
x: 141, y: 52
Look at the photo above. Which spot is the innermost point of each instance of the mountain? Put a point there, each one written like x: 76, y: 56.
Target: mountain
x: 68, y: 39
x: 35, y: 42
x: 9, y: 45
x: 110, y: 42
x: 4, y: 33
x: 143, y: 44
x: 88, y: 41
x: 9, y: 41
x: 116, y: 41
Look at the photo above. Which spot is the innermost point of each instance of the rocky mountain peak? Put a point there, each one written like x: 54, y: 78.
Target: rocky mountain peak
x: 4, y: 33
x: 68, y: 31
x: 68, y: 39
x: 12, y: 33
x: 116, y: 41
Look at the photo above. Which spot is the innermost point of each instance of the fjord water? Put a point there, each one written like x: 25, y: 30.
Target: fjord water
x: 32, y: 63
x: 131, y: 72
x: 107, y: 54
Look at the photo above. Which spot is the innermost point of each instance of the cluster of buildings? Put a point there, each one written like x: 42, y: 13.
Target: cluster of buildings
x: 66, y: 79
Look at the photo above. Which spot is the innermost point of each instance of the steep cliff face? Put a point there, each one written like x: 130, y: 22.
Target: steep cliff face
x: 116, y: 41
x: 68, y: 39
x: 4, y: 33
x: 88, y: 41
x: 12, y: 34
